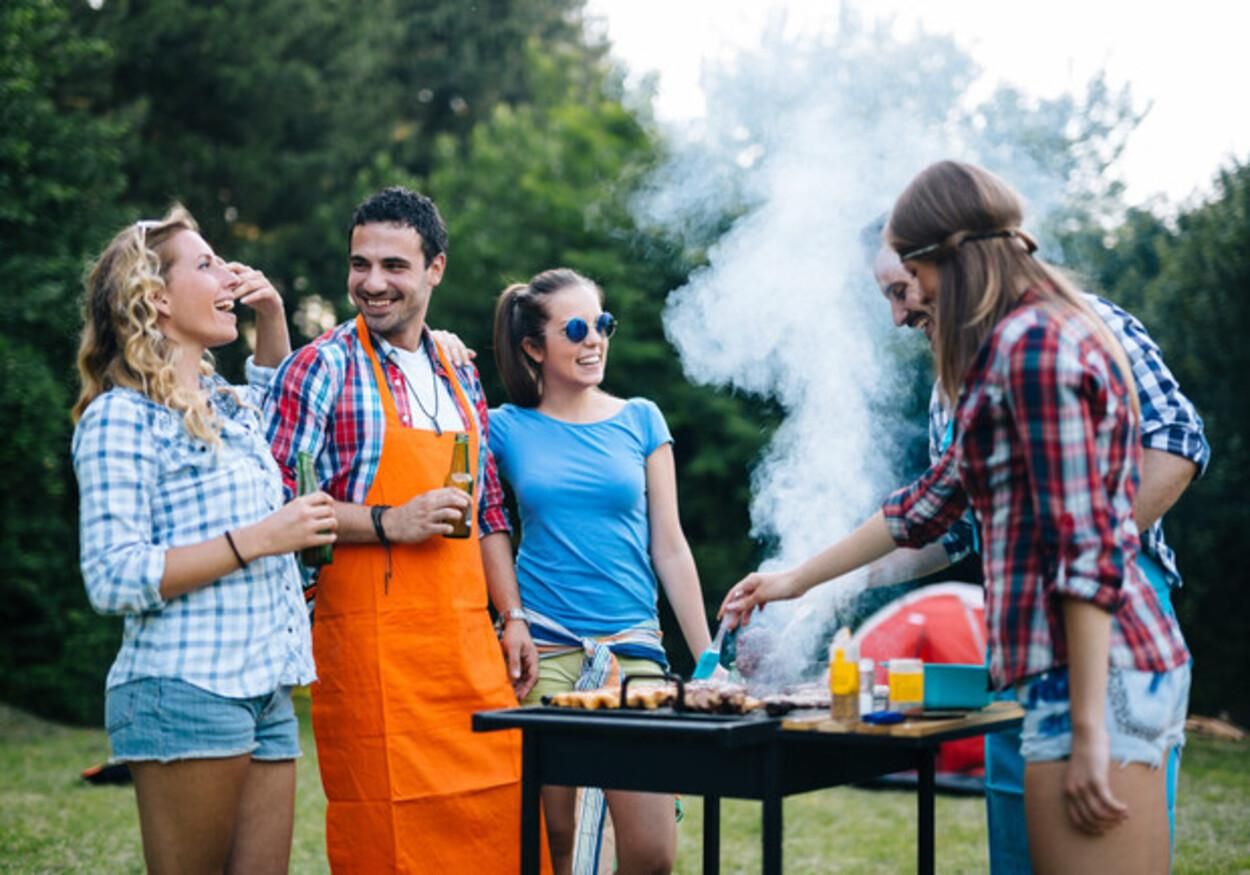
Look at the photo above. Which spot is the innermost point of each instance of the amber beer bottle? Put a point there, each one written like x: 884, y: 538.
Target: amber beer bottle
x: 459, y: 477
x: 306, y: 477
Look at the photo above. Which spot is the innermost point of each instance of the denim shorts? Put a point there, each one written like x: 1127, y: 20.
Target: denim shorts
x: 166, y: 719
x: 1145, y: 715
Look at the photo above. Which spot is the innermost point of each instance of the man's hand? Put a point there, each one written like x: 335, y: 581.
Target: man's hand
x: 459, y: 354
x: 521, y: 655
x: 428, y: 514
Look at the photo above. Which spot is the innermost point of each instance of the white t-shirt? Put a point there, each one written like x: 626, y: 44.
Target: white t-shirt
x: 428, y: 396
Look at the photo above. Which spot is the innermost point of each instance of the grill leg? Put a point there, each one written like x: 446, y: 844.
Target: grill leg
x: 711, y: 835
x: 772, y: 810
x: 926, y: 770
x: 531, y: 803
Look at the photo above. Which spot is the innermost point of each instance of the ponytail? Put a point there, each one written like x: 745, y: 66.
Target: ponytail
x: 514, y: 318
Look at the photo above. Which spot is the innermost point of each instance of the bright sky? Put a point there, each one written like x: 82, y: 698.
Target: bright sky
x: 1188, y: 59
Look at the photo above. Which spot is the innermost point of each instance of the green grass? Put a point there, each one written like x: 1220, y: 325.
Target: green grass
x: 52, y: 821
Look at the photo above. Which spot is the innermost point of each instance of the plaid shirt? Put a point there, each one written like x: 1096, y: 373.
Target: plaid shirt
x: 1045, y: 452
x: 1168, y: 423
x: 325, y: 402
x: 145, y: 485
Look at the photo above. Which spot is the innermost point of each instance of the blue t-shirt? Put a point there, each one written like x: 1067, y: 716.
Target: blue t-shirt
x: 581, y: 489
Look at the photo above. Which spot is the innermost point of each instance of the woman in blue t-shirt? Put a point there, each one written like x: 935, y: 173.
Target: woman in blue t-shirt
x: 596, y: 488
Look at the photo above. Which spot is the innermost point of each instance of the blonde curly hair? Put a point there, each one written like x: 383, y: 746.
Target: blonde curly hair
x: 121, y: 343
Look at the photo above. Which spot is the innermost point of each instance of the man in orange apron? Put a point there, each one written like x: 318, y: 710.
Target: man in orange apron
x: 402, y: 638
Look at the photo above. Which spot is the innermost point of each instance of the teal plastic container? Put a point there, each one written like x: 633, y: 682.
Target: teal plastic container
x: 950, y: 686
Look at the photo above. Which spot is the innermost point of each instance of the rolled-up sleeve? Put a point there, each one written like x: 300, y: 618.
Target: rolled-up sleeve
x: 1169, y: 421
x: 1050, y: 393
x: 297, y: 408
x: 492, y: 515
x: 922, y: 512
x: 116, y: 466
x: 259, y: 379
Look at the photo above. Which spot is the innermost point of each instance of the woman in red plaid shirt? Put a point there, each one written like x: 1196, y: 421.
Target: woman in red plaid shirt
x: 1046, y: 454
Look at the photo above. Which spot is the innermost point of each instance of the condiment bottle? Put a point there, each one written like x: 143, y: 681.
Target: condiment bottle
x: 906, y: 685
x: 844, y: 677
x: 460, y: 478
x: 866, y: 671
x: 306, y: 482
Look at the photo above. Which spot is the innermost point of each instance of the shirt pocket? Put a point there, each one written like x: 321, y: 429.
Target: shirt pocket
x: 194, y: 486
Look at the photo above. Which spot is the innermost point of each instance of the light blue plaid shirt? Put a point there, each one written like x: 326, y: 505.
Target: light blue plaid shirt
x: 145, y: 485
x: 1168, y: 423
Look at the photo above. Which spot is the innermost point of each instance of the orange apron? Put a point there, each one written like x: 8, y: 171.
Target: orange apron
x: 410, y: 787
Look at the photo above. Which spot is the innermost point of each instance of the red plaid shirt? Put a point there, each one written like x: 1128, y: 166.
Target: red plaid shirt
x: 324, y: 401
x: 1046, y: 452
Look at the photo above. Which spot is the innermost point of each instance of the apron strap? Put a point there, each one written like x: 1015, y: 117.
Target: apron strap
x: 388, y: 397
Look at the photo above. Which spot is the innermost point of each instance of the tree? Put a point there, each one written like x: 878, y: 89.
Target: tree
x: 1184, y: 280
x: 59, y: 183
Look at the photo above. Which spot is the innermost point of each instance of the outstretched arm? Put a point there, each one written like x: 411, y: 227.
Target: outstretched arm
x: 670, y: 552
x: 869, y: 542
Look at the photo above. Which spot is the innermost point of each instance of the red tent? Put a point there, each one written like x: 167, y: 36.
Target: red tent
x: 942, y: 622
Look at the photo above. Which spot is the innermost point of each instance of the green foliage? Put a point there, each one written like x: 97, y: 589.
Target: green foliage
x: 271, y: 119
x: 1183, y: 282
x: 59, y: 184
x: 56, y: 823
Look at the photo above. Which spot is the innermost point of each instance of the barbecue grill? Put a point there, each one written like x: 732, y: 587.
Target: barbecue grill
x: 742, y: 756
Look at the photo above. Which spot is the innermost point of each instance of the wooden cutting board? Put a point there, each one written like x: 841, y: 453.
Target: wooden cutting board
x: 820, y: 721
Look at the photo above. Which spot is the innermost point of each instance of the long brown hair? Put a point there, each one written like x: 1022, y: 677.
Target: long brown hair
x: 121, y: 344
x: 967, y: 221
x: 520, y: 314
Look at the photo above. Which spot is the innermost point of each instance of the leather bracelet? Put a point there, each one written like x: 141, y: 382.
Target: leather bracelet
x: 375, y: 513
x: 235, y: 550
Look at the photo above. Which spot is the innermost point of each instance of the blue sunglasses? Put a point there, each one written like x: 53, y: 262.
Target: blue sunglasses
x: 576, y: 328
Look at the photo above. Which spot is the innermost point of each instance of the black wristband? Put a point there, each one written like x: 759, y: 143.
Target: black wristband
x: 235, y: 550
x: 375, y: 512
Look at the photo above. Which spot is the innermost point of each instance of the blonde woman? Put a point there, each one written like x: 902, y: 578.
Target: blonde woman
x: 184, y: 533
x: 1045, y: 452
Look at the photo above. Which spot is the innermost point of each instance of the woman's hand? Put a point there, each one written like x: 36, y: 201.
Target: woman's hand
x: 255, y: 290
x: 521, y: 656
x: 756, y: 590
x: 1092, y: 807
x: 459, y: 354
x: 308, y: 521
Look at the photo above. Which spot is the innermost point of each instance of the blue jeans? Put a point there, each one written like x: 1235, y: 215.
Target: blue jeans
x: 1004, y: 772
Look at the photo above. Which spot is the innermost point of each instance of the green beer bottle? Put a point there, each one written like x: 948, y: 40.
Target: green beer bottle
x: 459, y: 477
x: 306, y: 476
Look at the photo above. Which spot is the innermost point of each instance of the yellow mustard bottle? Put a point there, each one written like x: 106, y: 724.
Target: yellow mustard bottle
x: 844, y: 677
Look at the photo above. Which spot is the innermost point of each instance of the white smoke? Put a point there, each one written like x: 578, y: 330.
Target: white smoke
x: 806, y: 142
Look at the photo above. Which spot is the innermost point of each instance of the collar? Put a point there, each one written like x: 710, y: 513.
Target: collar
x: 387, y: 351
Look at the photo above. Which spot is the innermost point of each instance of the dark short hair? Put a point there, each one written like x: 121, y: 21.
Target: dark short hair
x: 397, y: 205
